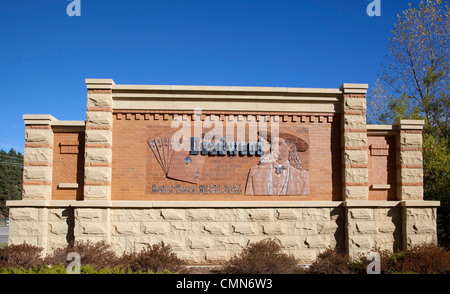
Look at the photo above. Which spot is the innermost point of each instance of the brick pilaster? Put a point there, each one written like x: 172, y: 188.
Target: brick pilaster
x: 98, y: 143
x: 409, y: 160
x: 354, y: 141
x: 38, y: 157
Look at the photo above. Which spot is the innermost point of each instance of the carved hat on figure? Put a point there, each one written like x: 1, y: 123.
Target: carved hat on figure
x: 299, y: 143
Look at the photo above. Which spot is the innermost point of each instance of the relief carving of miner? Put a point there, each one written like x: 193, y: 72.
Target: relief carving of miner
x: 280, y: 172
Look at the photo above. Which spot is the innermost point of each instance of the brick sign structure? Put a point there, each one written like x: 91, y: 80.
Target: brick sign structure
x: 210, y: 169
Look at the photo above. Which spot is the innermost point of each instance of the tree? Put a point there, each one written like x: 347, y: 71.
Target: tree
x: 415, y: 84
x: 11, y: 166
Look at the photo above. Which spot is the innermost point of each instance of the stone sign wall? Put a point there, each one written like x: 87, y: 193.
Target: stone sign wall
x: 210, y: 169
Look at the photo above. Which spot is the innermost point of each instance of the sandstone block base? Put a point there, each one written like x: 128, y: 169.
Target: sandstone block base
x: 212, y: 235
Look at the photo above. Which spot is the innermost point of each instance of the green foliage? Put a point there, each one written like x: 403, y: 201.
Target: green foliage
x: 11, y: 164
x: 62, y: 269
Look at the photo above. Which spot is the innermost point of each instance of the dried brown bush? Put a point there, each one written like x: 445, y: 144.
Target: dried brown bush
x: 422, y: 259
x: 264, y: 257
x: 21, y: 255
x: 332, y: 262
x: 157, y: 258
x: 98, y: 255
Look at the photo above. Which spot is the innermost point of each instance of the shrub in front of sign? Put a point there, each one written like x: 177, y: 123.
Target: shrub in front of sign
x: 264, y: 257
x: 420, y: 259
x: 332, y: 262
x: 98, y: 255
x: 423, y: 259
x: 155, y: 258
x: 21, y: 255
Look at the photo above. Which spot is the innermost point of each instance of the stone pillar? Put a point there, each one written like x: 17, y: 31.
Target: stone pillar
x: 354, y: 140
x: 419, y: 223
x: 98, y: 143
x: 418, y: 216
x: 360, y: 224
x: 93, y: 223
x: 29, y: 224
x: 361, y: 228
x: 38, y: 157
x: 409, y: 160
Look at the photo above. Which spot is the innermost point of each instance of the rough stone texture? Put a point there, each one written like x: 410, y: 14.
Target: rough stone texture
x: 97, y: 192
x: 102, y: 155
x: 99, y: 123
x: 42, y: 136
x: 411, y: 157
x: 412, y: 175
x: 99, y: 136
x: 411, y: 140
x: 355, y: 104
x: 355, y: 156
x: 37, y: 173
x: 99, y: 118
x: 356, y: 175
x: 99, y: 100
x: 38, y: 155
x: 355, y: 121
x: 412, y: 192
x: 419, y: 226
x: 356, y: 192
x: 94, y: 224
x: 355, y: 139
x: 38, y: 227
x: 213, y: 235
x: 34, y: 192
x: 371, y: 228
x: 410, y: 161
x: 97, y: 174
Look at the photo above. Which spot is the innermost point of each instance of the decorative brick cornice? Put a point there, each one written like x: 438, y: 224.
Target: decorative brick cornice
x: 229, y: 116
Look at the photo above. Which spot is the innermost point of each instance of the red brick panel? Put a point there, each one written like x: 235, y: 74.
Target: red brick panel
x: 68, y: 161
x: 135, y: 169
x: 382, y: 167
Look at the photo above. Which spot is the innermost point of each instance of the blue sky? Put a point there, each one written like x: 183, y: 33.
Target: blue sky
x: 45, y: 55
